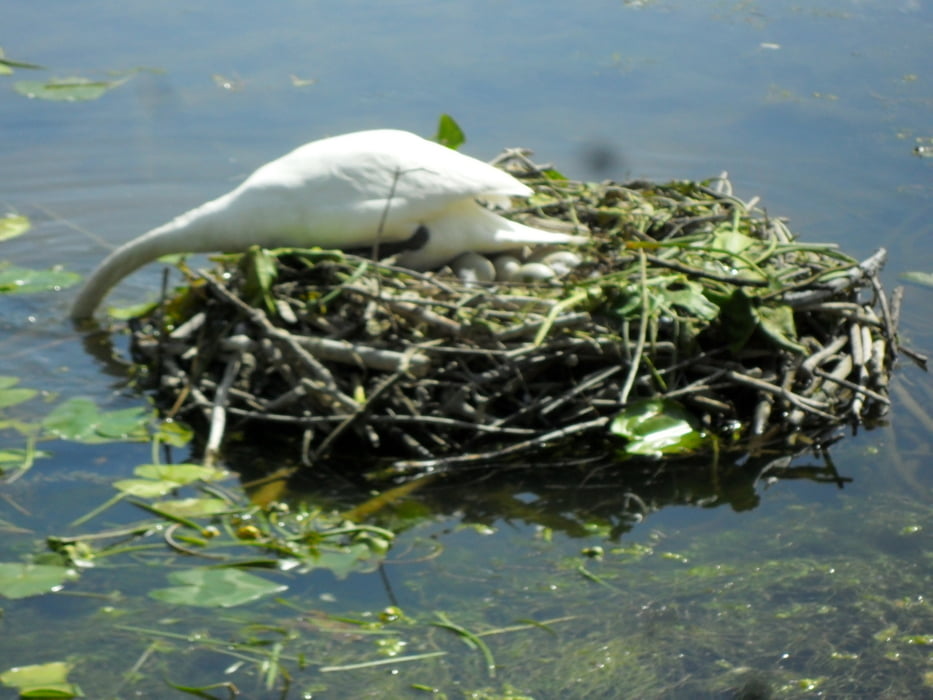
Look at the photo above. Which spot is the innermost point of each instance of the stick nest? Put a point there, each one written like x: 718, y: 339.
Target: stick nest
x: 687, y: 297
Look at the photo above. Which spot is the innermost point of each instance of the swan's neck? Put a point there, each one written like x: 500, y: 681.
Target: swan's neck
x: 201, y: 230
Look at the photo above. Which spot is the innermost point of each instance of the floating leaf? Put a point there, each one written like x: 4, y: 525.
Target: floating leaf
x: 42, y: 680
x: 21, y: 580
x: 193, y: 507
x: 145, y: 488
x: 344, y: 561
x: 215, y: 588
x: 922, y: 278
x: 657, y: 427
x: 301, y: 82
x: 20, y: 280
x: 125, y: 313
x: 10, y: 396
x: 18, y: 458
x: 8, y: 64
x: 174, y: 433
x: 80, y: 420
x: 157, y: 480
x: 74, y: 89
x: 449, y: 132
x: 179, y: 473
x: 13, y: 225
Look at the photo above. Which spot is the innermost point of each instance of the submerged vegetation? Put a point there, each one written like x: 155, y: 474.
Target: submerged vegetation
x: 665, y: 614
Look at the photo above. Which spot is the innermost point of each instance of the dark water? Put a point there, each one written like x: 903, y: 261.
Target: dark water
x: 814, y: 106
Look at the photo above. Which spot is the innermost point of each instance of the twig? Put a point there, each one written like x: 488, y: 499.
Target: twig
x: 219, y: 413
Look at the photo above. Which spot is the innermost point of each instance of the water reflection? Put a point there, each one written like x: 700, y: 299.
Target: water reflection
x: 568, y: 496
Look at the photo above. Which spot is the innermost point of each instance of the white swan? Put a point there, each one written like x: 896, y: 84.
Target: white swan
x: 334, y: 193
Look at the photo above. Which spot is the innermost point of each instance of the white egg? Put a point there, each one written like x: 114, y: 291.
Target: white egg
x: 473, y: 267
x: 507, y: 267
x: 534, y: 272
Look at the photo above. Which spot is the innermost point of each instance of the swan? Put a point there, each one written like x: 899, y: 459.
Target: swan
x: 362, y: 189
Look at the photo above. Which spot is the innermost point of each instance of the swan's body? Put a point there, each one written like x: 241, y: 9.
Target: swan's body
x: 334, y: 193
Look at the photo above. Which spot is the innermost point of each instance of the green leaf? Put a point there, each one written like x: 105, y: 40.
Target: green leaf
x: 687, y: 295
x: 73, y: 89
x: 174, y: 433
x: 732, y: 242
x: 145, y: 488
x: 8, y: 64
x: 921, y: 278
x: 555, y: 175
x: 42, y: 680
x: 215, y: 588
x: 657, y: 427
x: 449, y: 132
x: 738, y: 319
x: 344, y: 561
x: 179, y: 473
x: 777, y: 322
x: 80, y: 420
x: 19, y: 280
x: 156, y: 480
x: 13, y: 225
x: 18, y: 456
x: 10, y: 396
x: 193, y: 507
x: 125, y: 313
x: 21, y: 580
x: 260, y: 270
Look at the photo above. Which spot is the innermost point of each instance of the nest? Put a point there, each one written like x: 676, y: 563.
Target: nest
x: 686, y: 295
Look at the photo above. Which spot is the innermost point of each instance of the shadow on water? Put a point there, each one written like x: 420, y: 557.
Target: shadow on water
x: 569, y: 496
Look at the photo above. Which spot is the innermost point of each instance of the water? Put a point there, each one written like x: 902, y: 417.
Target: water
x: 814, y: 108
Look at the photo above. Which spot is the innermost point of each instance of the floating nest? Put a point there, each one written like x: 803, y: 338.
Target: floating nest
x: 688, y: 301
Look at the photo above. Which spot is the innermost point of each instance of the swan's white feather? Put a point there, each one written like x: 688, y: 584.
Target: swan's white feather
x: 346, y: 191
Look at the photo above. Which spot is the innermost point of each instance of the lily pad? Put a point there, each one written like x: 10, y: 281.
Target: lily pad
x: 193, y: 507
x: 215, y: 588
x: 346, y: 560
x: 42, y: 680
x: 173, y: 433
x: 80, y: 420
x: 74, y: 89
x: 21, y: 280
x: 10, y: 395
x: 13, y: 225
x: 145, y: 488
x: 179, y: 473
x: 159, y: 479
x: 21, y: 580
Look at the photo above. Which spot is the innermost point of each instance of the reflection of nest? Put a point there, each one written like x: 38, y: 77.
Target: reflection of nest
x: 685, y: 292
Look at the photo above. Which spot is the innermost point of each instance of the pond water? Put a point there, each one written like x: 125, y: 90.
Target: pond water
x: 786, y: 589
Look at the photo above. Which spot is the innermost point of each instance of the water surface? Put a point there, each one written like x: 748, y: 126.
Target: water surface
x: 816, y: 108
